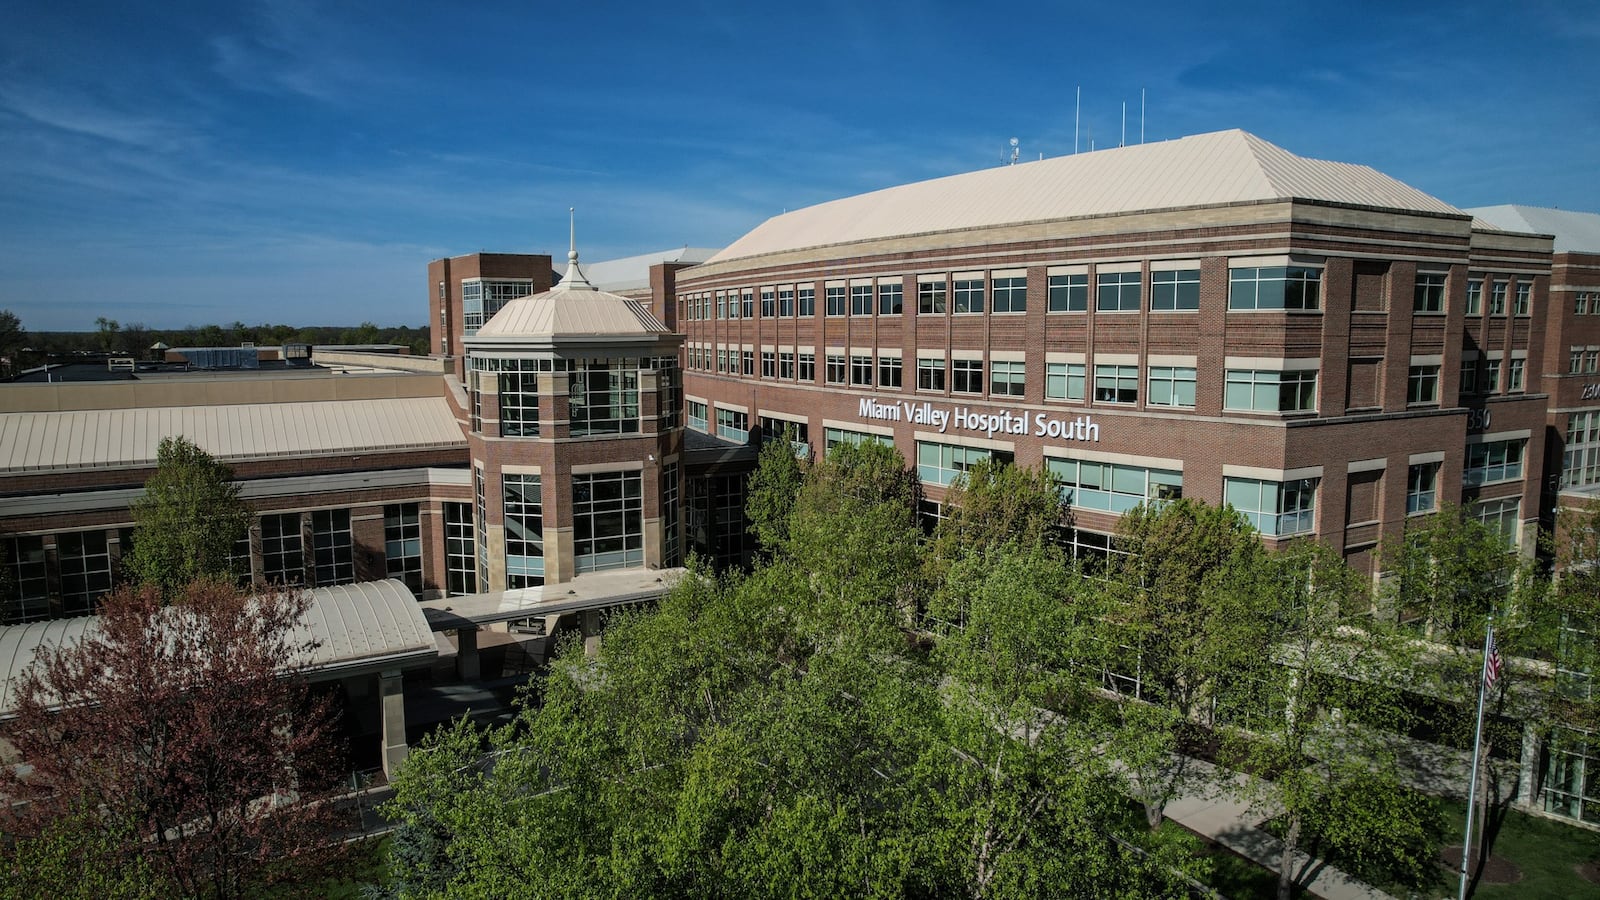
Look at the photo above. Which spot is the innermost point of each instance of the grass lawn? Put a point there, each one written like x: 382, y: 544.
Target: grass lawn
x: 1545, y: 851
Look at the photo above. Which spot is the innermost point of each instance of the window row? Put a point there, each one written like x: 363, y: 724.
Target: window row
x: 1165, y: 290
x: 1499, y: 297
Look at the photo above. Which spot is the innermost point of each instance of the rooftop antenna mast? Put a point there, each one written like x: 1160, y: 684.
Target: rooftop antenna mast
x: 1016, y: 150
x: 1141, y: 115
x: 1124, y: 141
x: 1077, y: 112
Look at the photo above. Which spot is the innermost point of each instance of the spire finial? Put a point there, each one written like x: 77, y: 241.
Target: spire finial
x: 574, y: 279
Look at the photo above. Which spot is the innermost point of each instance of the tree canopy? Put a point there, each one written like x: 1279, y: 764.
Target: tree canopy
x: 178, y: 738
x: 187, y: 522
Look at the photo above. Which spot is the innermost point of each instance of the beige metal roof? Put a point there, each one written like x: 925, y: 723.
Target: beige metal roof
x: 1575, y: 232
x: 358, y: 627
x: 633, y: 272
x: 1203, y: 170
x: 124, y: 438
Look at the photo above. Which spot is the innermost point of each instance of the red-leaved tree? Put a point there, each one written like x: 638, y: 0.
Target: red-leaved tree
x: 186, y: 730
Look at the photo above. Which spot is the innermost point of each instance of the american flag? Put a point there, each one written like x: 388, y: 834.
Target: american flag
x: 1491, y: 665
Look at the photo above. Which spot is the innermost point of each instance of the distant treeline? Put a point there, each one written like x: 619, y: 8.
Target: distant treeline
x: 134, y: 339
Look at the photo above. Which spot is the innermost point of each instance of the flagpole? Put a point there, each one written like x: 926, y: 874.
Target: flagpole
x: 1477, y: 746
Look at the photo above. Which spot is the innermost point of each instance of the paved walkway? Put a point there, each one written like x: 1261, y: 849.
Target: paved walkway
x: 1219, y: 817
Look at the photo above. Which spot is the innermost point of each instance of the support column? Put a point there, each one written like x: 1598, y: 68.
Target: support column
x: 467, y: 668
x: 591, y: 633
x: 1528, y: 774
x: 392, y: 708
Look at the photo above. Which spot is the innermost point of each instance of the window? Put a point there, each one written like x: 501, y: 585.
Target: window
x: 519, y: 397
x: 832, y: 436
x: 747, y: 304
x: 808, y: 367
x: 1010, y: 295
x: 481, y: 298
x: 1117, y: 292
x: 480, y: 514
x: 1493, y: 461
x: 1274, y: 287
x: 891, y: 298
x: 1497, y: 299
x: 775, y: 429
x: 722, y: 360
x: 860, y: 299
x: 1112, y: 487
x: 1007, y: 378
x: 786, y: 366
x: 1475, y: 297
x: 671, y: 546
x: 1469, y: 376
x: 1116, y: 384
x: 722, y: 304
x: 835, y: 300
x: 1171, y: 386
x: 524, y: 526
x: 608, y: 520
x: 733, y: 425
x: 1524, y: 299
x: 282, y: 550
x: 889, y: 374
x: 1572, y: 783
x: 1064, y: 381
x: 930, y: 373
x: 835, y: 369
x: 1591, y: 360
x: 1069, y: 293
x: 942, y: 463
x: 969, y: 295
x: 84, y: 558
x: 768, y: 307
x: 1575, y: 360
x: 460, y: 550
x: 747, y: 361
x: 1491, y: 376
x: 1422, y: 488
x: 786, y: 302
x: 697, y: 415
x: 1429, y: 294
x: 1422, y: 385
x: 1260, y: 390
x: 402, y: 544
x: 930, y: 298
x: 808, y: 301
x: 1274, y: 508
x: 333, y: 562
x: 1580, y: 455
x: 1580, y: 303
x: 861, y: 370
x: 603, y: 398
x: 769, y: 364
x: 1503, y: 517
x: 29, y: 597
x: 1514, y: 375
x: 966, y: 376
x: 1176, y: 291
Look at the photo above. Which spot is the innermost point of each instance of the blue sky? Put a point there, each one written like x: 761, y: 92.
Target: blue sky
x: 181, y: 163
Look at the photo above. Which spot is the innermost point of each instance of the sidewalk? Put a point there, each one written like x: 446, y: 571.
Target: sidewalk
x: 1232, y: 824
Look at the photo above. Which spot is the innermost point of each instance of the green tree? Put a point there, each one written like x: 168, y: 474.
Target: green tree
x: 1165, y: 638
x: 992, y: 503
x: 773, y: 488
x: 12, y: 336
x: 187, y: 522
x: 1309, y: 703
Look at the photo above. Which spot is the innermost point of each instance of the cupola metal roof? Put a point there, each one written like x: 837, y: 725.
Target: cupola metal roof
x: 573, y: 310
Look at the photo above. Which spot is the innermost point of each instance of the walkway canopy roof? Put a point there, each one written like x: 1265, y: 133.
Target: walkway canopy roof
x: 358, y: 629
